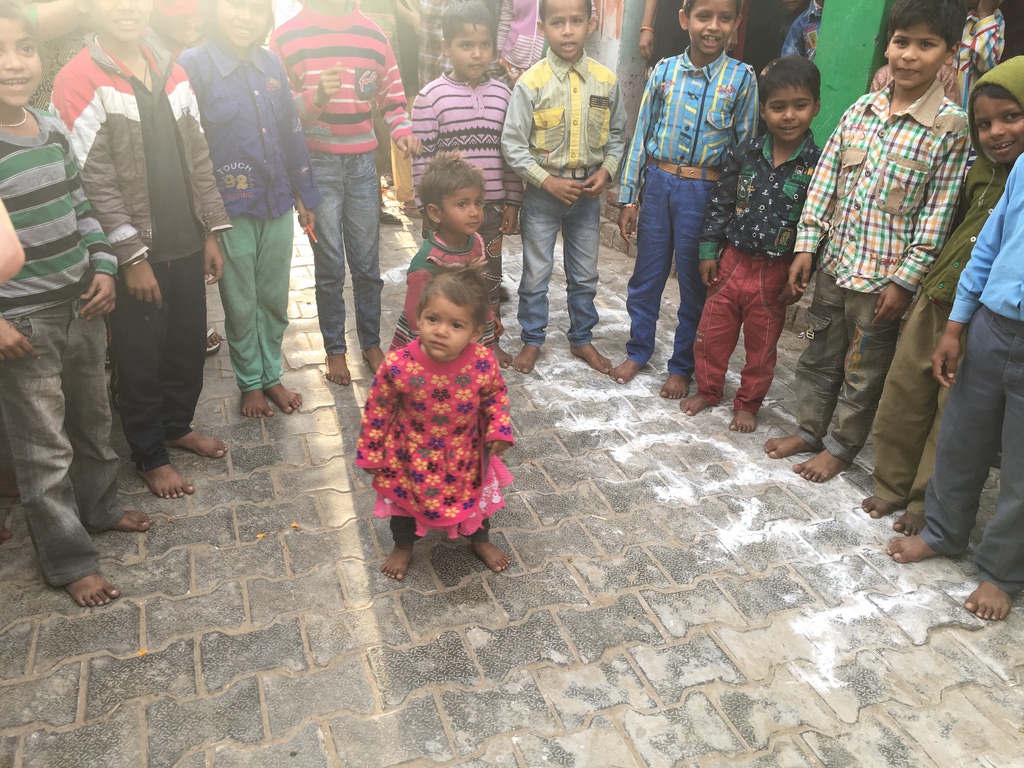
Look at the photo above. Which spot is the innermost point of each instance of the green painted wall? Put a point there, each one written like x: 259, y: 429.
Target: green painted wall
x: 850, y: 47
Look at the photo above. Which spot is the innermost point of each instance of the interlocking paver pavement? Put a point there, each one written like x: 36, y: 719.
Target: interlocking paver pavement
x: 674, y: 598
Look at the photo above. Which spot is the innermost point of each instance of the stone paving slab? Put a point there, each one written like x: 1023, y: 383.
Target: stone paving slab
x: 675, y: 598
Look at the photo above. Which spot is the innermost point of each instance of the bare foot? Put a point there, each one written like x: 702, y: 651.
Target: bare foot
x: 676, y: 386
x: 91, y: 591
x: 624, y: 372
x: 493, y: 558
x: 9, y: 485
x: 200, y: 445
x: 909, y: 524
x: 373, y: 357
x: 254, y: 404
x: 337, y: 370
x: 397, y: 564
x: 286, y: 400
x: 166, y: 483
x: 691, y: 406
x: 504, y: 358
x: 743, y: 421
x: 5, y: 534
x: 781, y: 447
x: 132, y: 520
x: 821, y: 468
x: 526, y: 359
x: 588, y: 353
x: 878, y: 507
x: 909, y: 550
x: 988, y: 602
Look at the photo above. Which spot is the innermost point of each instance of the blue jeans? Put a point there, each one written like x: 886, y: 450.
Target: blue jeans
x: 541, y: 219
x: 670, y: 220
x: 56, y: 409
x: 347, y: 226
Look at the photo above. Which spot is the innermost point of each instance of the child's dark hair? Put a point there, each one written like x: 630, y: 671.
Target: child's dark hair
x: 208, y: 10
x: 542, y: 10
x: 688, y: 6
x: 789, y: 72
x: 463, y: 287
x: 943, y: 17
x: 460, y: 14
x: 15, y: 10
x: 447, y: 173
x: 993, y: 91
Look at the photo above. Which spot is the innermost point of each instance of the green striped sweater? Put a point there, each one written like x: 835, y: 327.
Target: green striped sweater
x: 64, y: 244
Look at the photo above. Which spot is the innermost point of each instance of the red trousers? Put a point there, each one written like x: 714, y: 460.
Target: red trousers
x: 746, y: 294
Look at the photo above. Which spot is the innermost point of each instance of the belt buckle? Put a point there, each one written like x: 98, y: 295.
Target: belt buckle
x: 582, y: 174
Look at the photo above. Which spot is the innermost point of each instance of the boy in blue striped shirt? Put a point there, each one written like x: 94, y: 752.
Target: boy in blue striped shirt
x: 696, y: 108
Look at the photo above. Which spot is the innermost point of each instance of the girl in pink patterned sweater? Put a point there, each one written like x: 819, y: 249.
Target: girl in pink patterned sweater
x: 435, y: 422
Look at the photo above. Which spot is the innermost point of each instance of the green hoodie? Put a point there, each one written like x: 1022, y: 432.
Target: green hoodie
x: 982, y: 190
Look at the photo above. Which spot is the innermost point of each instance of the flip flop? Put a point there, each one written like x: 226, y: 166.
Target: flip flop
x: 213, y: 341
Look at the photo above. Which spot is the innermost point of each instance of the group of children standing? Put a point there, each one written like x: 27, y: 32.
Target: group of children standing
x: 139, y: 207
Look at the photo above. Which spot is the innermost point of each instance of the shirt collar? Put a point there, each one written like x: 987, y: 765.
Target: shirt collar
x: 814, y: 10
x: 711, y: 70
x: 804, y: 151
x: 925, y: 110
x: 227, y: 61
x: 561, y: 67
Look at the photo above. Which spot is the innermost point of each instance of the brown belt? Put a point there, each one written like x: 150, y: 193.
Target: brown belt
x: 688, y: 171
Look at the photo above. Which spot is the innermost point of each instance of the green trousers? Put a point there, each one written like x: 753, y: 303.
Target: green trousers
x: 254, y: 291
x: 906, y: 427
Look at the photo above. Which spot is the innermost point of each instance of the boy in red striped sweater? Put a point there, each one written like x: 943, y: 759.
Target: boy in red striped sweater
x: 340, y: 64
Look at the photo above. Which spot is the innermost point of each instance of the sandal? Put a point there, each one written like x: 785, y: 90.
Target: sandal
x: 386, y: 217
x: 412, y: 211
x: 213, y: 341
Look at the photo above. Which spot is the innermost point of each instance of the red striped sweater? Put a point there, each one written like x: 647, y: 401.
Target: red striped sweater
x: 311, y: 42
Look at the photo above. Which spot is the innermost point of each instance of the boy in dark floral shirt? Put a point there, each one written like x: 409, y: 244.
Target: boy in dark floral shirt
x: 746, y: 247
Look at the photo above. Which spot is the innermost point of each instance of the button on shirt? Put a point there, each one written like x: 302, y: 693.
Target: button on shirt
x: 563, y: 117
x: 691, y: 116
x: 885, y: 191
x: 995, y: 274
x: 257, y: 145
x: 756, y: 206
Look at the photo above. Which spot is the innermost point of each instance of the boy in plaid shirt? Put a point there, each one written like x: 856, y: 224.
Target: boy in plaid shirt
x: 879, y: 209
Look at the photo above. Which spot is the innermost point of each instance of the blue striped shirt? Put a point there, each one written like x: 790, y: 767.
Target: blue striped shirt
x: 691, y: 116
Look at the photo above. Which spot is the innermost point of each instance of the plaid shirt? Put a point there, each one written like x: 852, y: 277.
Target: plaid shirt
x: 885, y: 190
x: 756, y: 205
x: 690, y: 116
x: 433, y: 62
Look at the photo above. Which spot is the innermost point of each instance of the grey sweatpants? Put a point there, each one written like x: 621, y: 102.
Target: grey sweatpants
x: 985, y: 411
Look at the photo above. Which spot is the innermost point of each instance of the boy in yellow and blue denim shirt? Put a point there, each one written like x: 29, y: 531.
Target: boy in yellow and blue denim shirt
x: 695, y: 109
x: 880, y: 207
x: 563, y: 135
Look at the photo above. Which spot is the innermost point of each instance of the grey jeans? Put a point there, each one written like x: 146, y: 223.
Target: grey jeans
x: 58, y: 419
x: 843, y: 369
x: 985, y: 410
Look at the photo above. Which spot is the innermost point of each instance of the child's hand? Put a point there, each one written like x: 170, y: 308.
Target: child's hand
x: 373, y: 470
x: 946, y: 354
x: 409, y: 145
x: 100, y: 297
x: 627, y: 222
x: 800, y: 273
x: 646, y: 44
x: 510, y: 220
x: 141, y: 283
x: 213, y: 260
x: 708, y: 271
x: 307, y: 219
x: 564, y: 190
x: 497, y: 447
x: 13, y: 343
x: 597, y: 183
x: 330, y: 84
x: 787, y: 296
x: 892, y: 303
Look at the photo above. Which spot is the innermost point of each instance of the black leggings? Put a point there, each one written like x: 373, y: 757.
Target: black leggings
x: 403, y: 530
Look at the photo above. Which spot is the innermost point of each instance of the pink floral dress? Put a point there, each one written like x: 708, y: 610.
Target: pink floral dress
x: 426, y: 426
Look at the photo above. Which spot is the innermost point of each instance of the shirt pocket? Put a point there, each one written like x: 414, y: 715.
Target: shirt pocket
x: 598, y: 119
x: 851, y: 162
x: 901, y: 184
x: 720, y: 129
x: 220, y: 112
x: 549, y: 128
